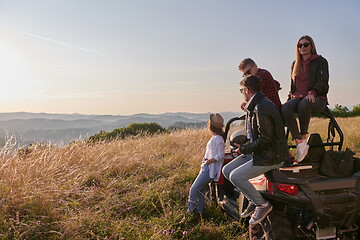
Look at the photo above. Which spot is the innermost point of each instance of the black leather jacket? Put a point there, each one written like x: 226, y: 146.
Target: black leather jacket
x: 318, y: 77
x: 269, y: 145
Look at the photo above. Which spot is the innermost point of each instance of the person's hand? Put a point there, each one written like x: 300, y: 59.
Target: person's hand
x: 209, y: 161
x: 310, y: 97
x: 242, y: 106
x: 238, y: 149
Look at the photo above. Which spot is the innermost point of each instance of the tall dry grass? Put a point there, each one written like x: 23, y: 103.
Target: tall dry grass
x: 127, y: 189
x: 349, y: 126
x: 134, y: 188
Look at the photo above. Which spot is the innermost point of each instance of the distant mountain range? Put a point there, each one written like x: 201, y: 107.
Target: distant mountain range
x: 28, y: 128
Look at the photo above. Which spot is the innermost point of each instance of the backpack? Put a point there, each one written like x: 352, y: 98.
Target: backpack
x: 337, y: 164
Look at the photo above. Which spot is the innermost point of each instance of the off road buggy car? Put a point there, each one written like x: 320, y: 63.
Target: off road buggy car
x: 307, y: 204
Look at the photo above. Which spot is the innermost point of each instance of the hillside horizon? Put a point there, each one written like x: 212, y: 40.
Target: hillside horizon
x: 28, y: 127
x: 27, y: 114
x: 57, y: 128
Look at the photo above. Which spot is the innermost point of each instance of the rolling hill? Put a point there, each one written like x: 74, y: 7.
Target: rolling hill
x: 28, y: 127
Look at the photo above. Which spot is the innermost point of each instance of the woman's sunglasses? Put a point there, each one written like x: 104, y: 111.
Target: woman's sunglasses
x: 300, y: 45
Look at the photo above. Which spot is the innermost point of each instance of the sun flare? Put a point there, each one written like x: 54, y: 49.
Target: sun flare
x: 13, y: 77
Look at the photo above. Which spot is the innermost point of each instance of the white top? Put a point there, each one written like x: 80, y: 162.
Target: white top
x: 215, y: 148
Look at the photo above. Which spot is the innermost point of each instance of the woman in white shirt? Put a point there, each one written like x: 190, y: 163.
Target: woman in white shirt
x: 211, y: 165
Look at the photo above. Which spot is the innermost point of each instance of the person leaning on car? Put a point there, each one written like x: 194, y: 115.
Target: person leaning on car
x: 267, y: 148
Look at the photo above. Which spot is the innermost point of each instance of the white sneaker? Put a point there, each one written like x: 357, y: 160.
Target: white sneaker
x: 301, y: 150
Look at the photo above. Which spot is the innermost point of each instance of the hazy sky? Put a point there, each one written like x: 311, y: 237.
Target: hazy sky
x: 155, y: 56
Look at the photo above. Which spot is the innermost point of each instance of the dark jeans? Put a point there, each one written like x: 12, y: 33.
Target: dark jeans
x: 304, y: 109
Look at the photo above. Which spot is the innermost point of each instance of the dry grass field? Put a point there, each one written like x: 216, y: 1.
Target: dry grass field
x: 349, y: 126
x: 134, y: 188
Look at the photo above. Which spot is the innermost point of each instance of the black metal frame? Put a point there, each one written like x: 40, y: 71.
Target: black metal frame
x: 322, y: 205
x: 332, y: 127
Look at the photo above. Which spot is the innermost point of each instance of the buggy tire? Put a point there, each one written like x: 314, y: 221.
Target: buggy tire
x: 276, y: 226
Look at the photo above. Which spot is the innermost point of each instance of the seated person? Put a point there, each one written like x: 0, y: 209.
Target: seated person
x: 267, y: 148
x: 308, y: 93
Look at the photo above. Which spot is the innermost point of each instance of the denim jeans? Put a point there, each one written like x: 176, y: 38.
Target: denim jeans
x: 304, y: 109
x: 240, y: 170
x: 196, y: 202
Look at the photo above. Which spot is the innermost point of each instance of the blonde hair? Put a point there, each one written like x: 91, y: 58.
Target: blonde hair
x: 298, y: 59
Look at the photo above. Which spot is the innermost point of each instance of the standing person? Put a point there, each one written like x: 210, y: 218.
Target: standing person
x: 269, y: 86
x: 308, y: 92
x: 267, y: 144
x: 211, y: 164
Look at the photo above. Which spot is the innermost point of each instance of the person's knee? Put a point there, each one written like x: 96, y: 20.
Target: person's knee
x: 193, y: 191
x: 304, y: 106
x: 226, y: 171
x: 286, y: 110
x: 235, y: 178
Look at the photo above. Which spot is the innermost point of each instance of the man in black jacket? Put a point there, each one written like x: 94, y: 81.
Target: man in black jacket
x: 267, y: 149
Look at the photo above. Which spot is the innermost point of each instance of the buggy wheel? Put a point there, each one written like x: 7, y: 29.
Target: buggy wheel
x: 276, y: 226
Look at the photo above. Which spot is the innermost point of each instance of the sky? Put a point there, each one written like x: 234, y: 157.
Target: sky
x: 123, y: 57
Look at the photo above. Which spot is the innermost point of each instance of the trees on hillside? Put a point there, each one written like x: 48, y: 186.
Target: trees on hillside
x: 343, y: 111
x: 133, y: 129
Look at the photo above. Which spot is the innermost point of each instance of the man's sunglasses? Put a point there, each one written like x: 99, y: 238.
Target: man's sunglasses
x: 300, y: 45
x: 248, y: 71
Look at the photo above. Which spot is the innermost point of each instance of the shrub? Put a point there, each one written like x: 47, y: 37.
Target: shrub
x: 183, y: 125
x: 342, y: 111
x: 133, y: 129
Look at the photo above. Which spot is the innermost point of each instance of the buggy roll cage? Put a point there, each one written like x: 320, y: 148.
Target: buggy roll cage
x: 333, y: 127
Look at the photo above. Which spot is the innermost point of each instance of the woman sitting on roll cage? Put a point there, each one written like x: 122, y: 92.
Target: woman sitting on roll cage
x: 308, y: 92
